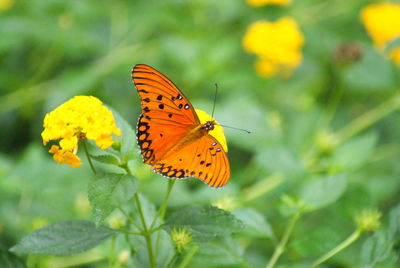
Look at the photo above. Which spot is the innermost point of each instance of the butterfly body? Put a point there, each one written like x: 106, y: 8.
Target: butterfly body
x: 170, y: 135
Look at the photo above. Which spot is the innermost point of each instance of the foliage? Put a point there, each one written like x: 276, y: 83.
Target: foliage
x: 323, y: 148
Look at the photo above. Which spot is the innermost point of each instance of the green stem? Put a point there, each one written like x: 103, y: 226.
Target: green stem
x: 163, y: 207
x: 129, y: 232
x: 130, y: 219
x: 280, y: 248
x: 161, y: 211
x: 353, y: 237
x: 146, y: 234
x: 111, y: 260
x: 188, y: 257
x: 369, y: 118
x: 88, y: 156
x: 172, y: 260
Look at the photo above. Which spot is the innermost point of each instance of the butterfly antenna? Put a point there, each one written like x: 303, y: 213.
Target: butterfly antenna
x: 241, y: 129
x: 215, y: 99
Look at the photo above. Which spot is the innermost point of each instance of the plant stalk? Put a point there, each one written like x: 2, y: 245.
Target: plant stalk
x: 353, y: 237
x: 280, y: 248
x: 146, y: 233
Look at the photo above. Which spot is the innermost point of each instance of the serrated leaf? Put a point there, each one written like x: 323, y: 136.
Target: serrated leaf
x: 9, y: 260
x: 108, y: 191
x: 204, y: 223
x: 323, y: 191
x: 63, y: 238
x: 255, y: 223
x: 127, y: 139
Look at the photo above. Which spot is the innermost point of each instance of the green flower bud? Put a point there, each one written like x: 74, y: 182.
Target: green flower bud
x: 368, y: 220
x: 181, y: 238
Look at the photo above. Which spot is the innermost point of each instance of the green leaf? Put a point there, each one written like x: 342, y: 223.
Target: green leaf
x: 377, y: 249
x: 373, y: 72
x: 254, y: 221
x: 395, y: 43
x: 106, y: 159
x: 353, y: 153
x: 394, y: 222
x: 323, y: 191
x: 9, y: 260
x: 63, y: 238
x: 127, y: 139
x: 107, y: 192
x: 204, y: 223
x: 223, y: 252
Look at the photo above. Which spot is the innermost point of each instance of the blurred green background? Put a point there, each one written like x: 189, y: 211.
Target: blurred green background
x: 305, y: 141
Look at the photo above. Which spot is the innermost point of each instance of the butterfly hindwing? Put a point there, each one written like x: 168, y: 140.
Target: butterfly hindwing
x: 204, y: 159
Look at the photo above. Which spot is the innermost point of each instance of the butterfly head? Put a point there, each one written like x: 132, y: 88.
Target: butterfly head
x: 209, y: 125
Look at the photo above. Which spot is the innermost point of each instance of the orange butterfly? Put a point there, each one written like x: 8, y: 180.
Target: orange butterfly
x: 170, y: 135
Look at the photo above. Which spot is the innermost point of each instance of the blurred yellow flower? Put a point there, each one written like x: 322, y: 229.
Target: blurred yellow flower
x: 278, y: 45
x: 6, y: 4
x: 382, y: 22
x: 258, y: 3
x: 80, y: 117
x: 217, y: 132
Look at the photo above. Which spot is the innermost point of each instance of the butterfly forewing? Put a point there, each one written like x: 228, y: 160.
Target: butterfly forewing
x: 161, y: 100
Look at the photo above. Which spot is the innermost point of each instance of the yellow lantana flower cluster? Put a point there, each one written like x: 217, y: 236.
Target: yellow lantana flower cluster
x: 382, y: 22
x: 80, y: 117
x: 277, y: 44
x: 258, y: 3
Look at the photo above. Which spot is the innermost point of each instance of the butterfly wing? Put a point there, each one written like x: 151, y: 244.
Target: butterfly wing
x: 161, y: 99
x: 204, y: 159
x: 167, y: 115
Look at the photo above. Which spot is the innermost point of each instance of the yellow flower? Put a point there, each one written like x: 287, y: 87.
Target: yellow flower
x: 277, y: 44
x: 80, y: 117
x: 217, y: 132
x: 6, y: 4
x: 382, y: 22
x: 258, y: 3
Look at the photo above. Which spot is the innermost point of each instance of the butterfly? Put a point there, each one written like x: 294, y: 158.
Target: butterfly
x: 171, y: 138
